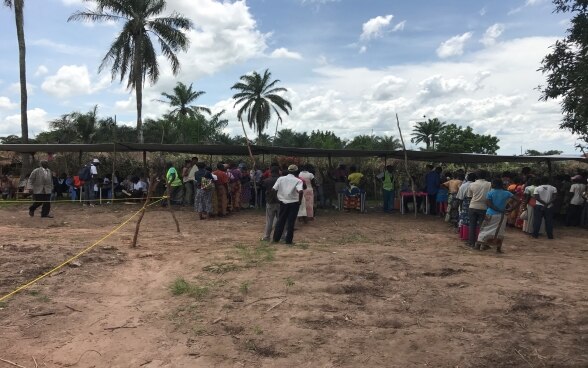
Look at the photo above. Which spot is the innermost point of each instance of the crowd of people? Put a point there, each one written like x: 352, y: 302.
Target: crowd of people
x: 481, y: 206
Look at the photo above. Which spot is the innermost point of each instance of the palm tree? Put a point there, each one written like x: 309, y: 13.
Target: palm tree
x: 427, y: 132
x: 24, y: 121
x: 180, y: 102
x: 258, y: 96
x: 181, y: 99
x: 132, y: 54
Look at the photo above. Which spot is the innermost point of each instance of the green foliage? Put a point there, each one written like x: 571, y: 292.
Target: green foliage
x: 427, y: 132
x: 180, y: 287
x: 325, y: 140
x: 566, y: 69
x: 290, y: 138
x: 373, y: 142
x: 244, y: 287
x: 546, y: 153
x: 132, y: 55
x: 454, y: 138
x: 253, y: 256
x: 180, y: 102
x: 258, y: 97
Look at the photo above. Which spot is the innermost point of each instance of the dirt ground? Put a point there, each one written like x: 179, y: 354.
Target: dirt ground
x: 368, y: 290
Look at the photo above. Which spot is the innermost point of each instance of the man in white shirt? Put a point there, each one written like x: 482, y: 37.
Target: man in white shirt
x: 477, y: 191
x: 578, y: 188
x: 41, y: 183
x: 289, y: 191
x: 545, y: 195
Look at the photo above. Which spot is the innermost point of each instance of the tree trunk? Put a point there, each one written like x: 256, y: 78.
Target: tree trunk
x: 138, y: 77
x: 24, y: 122
x: 252, y: 160
x: 412, y: 185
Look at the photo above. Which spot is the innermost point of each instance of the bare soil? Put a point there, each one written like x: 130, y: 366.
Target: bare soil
x: 369, y: 290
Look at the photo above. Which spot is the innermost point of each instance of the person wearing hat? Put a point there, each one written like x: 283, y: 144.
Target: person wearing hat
x: 41, y: 183
x: 289, y: 190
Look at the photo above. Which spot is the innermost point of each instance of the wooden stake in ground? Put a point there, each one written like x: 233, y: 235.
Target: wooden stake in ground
x: 252, y: 160
x: 414, y: 202
x: 169, y: 206
x: 149, y: 195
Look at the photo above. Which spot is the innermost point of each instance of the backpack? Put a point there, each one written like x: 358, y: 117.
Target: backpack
x: 85, y: 173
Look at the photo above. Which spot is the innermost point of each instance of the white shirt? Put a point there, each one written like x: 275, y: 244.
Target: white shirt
x: 546, y: 193
x: 463, y: 190
x: 140, y: 185
x: 478, y: 191
x: 577, y: 189
x: 93, y: 170
x: 288, y: 187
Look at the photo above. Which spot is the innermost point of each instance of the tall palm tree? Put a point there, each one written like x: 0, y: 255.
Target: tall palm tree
x: 258, y: 96
x: 24, y: 121
x: 132, y: 55
x: 427, y: 132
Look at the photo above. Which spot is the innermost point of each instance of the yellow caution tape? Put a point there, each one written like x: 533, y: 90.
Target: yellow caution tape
x: 77, y: 255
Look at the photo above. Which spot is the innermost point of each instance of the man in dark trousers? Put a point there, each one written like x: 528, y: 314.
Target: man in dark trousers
x: 41, y: 183
x: 289, y: 191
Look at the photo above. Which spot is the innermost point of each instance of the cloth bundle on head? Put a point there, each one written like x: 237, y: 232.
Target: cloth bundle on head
x: 292, y: 168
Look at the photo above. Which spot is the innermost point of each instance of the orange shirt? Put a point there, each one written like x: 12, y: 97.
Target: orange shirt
x: 221, y: 177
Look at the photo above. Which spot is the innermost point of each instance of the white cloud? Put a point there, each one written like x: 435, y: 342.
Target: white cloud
x: 363, y: 49
x: 284, y: 53
x: 437, y: 86
x: 453, y: 46
x: 72, y: 80
x: 374, y: 27
x: 14, y: 89
x: 527, y: 4
x: 41, y: 70
x: 72, y: 2
x: 477, y: 91
x: 491, y: 34
x: 399, y: 27
x: 37, y: 118
x: 6, y: 104
x: 388, y: 87
x: 483, y: 11
x: 226, y: 34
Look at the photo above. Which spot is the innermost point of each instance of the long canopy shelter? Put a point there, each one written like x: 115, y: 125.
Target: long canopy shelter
x: 236, y: 150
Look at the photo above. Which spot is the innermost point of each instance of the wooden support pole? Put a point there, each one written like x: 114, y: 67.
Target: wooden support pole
x: 169, y: 206
x: 149, y: 195
x: 414, y: 203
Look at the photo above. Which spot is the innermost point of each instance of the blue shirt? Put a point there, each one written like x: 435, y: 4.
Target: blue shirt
x: 499, y: 197
x: 433, y: 182
x: 442, y: 195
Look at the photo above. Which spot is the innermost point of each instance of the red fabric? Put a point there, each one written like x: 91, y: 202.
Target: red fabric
x: 222, y: 177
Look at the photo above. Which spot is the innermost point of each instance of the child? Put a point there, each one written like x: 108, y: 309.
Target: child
x: 442, y: 199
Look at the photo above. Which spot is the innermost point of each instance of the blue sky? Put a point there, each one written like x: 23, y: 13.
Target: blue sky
x: 349, y: 65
